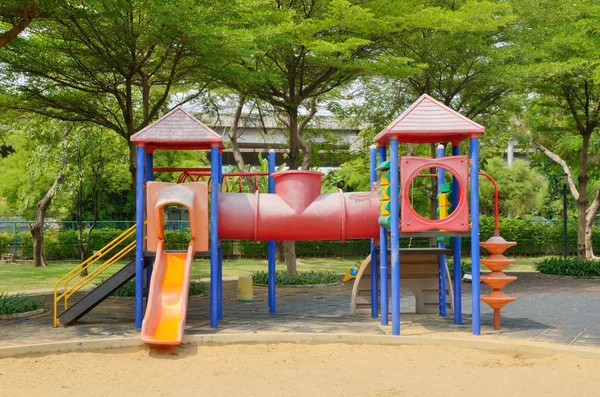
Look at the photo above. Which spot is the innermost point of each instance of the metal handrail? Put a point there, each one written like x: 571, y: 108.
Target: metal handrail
x: 87, y: 263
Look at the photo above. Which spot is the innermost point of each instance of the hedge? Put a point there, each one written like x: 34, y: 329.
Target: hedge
x: 532, y: 238
x: 569, y: 267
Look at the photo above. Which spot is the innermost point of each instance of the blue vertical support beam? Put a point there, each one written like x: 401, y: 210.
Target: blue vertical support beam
x: 441, y: 152
x: 214, y: 236
x: 139, y: 236
x: 456, y: 241
x: 383, y: 260
x: 149, y: 178
x: 395, y: 234
x: 374, y: 287
x: 272, y: 266
x: 475, y: 293
x: 220, y: 266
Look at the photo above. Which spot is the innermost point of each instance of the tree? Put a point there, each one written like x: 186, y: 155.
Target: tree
x: 559, y: 52
x: 113, y: 63
x: 296, y: 52
x: 521, y: 188
x: 458, y: 61
x: 42, y: 148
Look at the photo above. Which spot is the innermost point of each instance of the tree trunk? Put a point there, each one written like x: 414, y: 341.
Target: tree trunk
x: 37, y: 230
x: 290, y: 256
x: 279, y: 251
x: 235, y: 148
x: 582, y: 201
x: 132, y: 165
x: 294, y: 149
x: 591, y: 213
x: 37, y: 234
x: 290, y: 246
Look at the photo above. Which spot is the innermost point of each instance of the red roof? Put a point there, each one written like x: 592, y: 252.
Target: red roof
x: 429, y: 121
x: 178, y: 130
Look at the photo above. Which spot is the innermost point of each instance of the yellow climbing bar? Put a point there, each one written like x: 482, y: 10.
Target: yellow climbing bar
x: 68, y: 291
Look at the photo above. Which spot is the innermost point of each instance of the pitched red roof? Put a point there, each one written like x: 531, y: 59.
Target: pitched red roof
x: 430, y: 121
x: 178, y: 129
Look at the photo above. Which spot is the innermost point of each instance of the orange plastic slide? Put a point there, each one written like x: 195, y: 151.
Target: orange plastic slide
x: 167, y: 302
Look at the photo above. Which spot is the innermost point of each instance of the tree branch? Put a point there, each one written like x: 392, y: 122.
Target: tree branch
x: 556, y: 158
x: 26, y: 17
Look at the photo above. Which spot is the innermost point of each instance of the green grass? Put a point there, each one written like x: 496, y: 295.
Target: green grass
x: 23, y: 276
x: 245, y: 267
x: 12, y: 304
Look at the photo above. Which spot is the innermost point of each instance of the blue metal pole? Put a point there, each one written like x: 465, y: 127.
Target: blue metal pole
x: 395, y: 232
x: 475, y: 293
x: 149, y: 178
x: 441, y: 152
x: 214, y: 237
x: 383, y: 261
x: 456, y: 241
x: 272, y: 266
x: 374, y: 288
x: 220, y: 266
x: 139, y: 236
x: 220, y: 316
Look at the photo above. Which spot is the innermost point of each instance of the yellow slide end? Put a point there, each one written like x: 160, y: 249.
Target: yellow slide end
x: 167, y: 302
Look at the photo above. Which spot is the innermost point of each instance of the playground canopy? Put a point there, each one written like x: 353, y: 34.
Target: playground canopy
x: 429, y: 121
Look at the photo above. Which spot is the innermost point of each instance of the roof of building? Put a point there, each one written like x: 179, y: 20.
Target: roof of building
x: 429, y: 121
x: 178, y: 130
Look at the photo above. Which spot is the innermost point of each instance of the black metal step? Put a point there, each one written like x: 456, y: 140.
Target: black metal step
x: 98, y: 294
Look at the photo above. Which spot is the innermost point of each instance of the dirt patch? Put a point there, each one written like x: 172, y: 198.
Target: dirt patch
x: 300, y: 370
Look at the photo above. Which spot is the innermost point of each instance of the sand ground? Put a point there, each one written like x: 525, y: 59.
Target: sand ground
x: 300, y: 370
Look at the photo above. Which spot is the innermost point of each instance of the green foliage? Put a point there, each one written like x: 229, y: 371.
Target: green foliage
x: 532, y: 237
x: 128, y: 289
x: 5, y: 238
x: 464, y: 268
x: 520, y: 188
x: 13, y: 304
x: 569, y: 267
x: 308, y: 249
x: 301, y: 278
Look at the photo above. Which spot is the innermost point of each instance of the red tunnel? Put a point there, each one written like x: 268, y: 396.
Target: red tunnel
x: 298, y: 211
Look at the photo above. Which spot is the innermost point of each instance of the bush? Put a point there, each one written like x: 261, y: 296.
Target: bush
x: 302, y: 278
x: 13, y: 304
x: 569, y: 267
x: 464, y: 268
x: 128, y: 289
x: 4, y: 240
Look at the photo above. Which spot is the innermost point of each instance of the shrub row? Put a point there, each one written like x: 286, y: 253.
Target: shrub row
x: 532, y: 238
x: 13, y: 304
x: 569, y: 267
x: 302, y: 278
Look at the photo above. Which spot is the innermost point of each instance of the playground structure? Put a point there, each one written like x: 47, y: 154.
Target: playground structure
x: 294, y: 209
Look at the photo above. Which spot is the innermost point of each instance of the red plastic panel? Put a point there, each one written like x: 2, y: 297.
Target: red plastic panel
x: 458, y: 220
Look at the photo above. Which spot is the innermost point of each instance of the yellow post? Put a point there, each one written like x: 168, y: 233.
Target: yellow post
x: 245, y: 293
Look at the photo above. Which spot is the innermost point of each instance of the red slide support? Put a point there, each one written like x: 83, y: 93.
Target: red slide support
x: 298, y: 211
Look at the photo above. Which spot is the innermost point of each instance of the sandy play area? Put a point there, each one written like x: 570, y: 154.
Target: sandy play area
x: 300, y: 370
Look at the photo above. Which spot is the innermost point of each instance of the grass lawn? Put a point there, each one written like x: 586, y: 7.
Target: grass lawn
x: 523, y: 263
x: 23, y: 276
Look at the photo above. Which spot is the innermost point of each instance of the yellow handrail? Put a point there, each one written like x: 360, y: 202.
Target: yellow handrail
x: 68, y: 292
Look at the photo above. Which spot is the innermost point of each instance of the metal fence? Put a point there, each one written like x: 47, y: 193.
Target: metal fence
x: 16, y: 244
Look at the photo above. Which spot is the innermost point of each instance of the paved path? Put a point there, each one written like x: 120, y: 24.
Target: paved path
x: 563, y: 311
